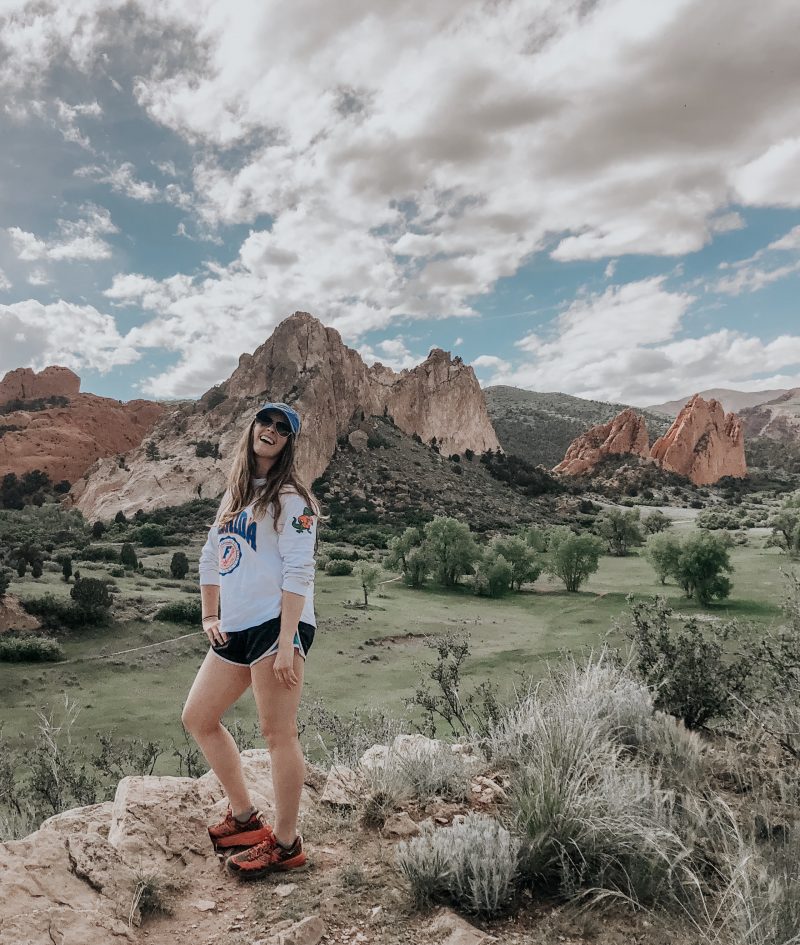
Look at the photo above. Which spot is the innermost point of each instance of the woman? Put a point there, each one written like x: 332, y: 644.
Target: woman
x: 258, y: 562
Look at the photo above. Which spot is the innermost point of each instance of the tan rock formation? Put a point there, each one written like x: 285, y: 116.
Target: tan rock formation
x: 626, y: 433
x: 307, y: 365
x: 26, y: 384
x: 64, y: 441
x: 704, y: 443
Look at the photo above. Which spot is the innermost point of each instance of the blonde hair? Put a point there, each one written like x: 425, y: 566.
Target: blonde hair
x: 241, y: 491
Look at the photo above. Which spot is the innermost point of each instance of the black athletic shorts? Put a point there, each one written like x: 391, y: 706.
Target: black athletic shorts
x: 245, y: 647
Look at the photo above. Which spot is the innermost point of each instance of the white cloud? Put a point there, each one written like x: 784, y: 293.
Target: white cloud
x: 789, y: 241
x: 392, y: 353
x: 627, y: 344
x: 5, y: 282
x: 37, y: 277
x: 122, y: 180
x: 425, y: 151
x: 491, y: 361
x: 458, y: 341
x: 77, y: 239
x: 611, y: 268
x: 76, y: 336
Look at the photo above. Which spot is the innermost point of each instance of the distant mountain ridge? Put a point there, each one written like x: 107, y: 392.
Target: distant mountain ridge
x: 733, y: 401
x: 539, y: 427
x: 777, y: 419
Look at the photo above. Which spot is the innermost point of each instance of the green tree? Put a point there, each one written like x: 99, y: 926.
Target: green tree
x: 150, y: 535
x: 91, y: 596
x: 525, y: 561
x: 5, y: 580
x: 120, y: 518
x: 368, y: 574
x: 786, y: 528
x: 66, y: 566
x: 22, y: 567
x: 407, y: 553
x: 620, y: 530
x: 37, y: 568
x: 702, y: 560
x: 179, y: 565
x: 127, y: 556
x: 452, y: 548
x: 572, y: 558
x: 535, y: 537
x: 151, y: 450
x: 493, y: 574
x: 98, y: 529
x: 663, y: 550
x: 656, y: 522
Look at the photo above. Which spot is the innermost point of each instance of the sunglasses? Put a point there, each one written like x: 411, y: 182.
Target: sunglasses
x: 282, y: 428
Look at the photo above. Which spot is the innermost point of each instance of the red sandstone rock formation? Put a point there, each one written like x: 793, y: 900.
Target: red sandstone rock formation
x: 64, y: 441
x: 25, y: 384
x: 703, y: 444
x: 307, y: 365
x: 626, y: 433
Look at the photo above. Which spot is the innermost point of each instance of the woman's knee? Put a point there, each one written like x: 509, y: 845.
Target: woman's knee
x: 277, y: 733
x: 197, y: 722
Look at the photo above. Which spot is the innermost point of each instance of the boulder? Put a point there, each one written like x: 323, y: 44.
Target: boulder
x: 26, y: 384
x: 704, y: 443
x: 625, y: 434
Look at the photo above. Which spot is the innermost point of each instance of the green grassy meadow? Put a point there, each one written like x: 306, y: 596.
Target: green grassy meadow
x: 142, y: 693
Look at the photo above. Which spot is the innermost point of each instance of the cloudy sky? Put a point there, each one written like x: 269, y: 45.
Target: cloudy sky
x: 594, y: 196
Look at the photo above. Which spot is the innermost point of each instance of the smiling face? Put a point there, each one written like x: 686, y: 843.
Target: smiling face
x: 267, y: 442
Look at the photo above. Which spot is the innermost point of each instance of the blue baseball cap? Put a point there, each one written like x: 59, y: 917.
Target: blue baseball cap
x: 290, y: 413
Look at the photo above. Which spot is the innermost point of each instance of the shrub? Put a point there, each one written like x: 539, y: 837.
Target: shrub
x: 408, y: 554
x: 91, y: 596
x: 419, y: 769
x: 686, y: 669
x: 179, y: 565
x: 472, y: 864
x: 5, y: 581
x: 339, y: 568
x: 127, y: 556
x: 699, y: 568
x: 523, y: 558
x: 663, y: 551
x: 205, y: 448
x: 150, y: 535
x: 181, y: 611
x: 27, y: 648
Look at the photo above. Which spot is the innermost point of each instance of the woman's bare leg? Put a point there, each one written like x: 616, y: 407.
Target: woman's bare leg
x: 216, y: 687
x: 277, y: 712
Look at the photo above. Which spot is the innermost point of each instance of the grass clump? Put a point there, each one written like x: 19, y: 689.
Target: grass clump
x: 152, y: 894
x: 472, y: 864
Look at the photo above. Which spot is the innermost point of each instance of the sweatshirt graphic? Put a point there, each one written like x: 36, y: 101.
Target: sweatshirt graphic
x: 253, y: 564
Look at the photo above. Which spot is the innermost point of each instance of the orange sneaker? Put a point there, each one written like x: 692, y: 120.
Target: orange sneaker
x: 266, y: 857
x: 230, y: 833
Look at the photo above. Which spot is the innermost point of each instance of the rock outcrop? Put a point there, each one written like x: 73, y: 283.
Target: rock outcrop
x: 625, y: 434
x: 63, y: 440
x: 26, y: 384
x: 307, y: 365
x: 704, y: 443
x: 75, y: 880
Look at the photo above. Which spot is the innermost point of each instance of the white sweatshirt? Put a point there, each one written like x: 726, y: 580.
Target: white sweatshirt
x: 253, y: 564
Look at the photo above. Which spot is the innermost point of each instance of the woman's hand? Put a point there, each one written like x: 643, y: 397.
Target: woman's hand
x: 283, y: 667
x: 213, y: 632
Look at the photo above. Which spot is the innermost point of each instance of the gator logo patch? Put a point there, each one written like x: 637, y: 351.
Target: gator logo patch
x: 230, y: 555
x: 303, y: 523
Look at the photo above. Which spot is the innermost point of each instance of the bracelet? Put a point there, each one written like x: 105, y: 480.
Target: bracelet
x: 210, y: 616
